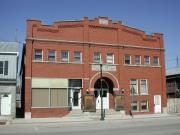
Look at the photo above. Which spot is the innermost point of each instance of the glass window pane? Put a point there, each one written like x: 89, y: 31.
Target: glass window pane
x: 137, y: 60
x: 40, y: 97
x: 77, y: 56
x: 38, y: 54
x: 64, y: 56
x: 75, y: 83
x: 110, y: 58
x: 147, y: 60
x: 156, y: 60
x: 59, y: 98
x: 143, y: 87
x: 127, y: 59
x: 144, y: 105
x: 51, y: 55
x: 133, y: 86
x: 1, y: 67
x: 134, y: 106
x: 97, y: 57
x: 6, y: 68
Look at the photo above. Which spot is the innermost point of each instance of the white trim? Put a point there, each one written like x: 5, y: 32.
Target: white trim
x: 67, y: 57
x: 130, y: 59
x: 142, y: 65
x: 57, y: 62
x: 28, y: 77
x: 146, y: 87
x: 97, y: 75
x: 112, y: 58
x: 95, y: 43
x: 135, y: 60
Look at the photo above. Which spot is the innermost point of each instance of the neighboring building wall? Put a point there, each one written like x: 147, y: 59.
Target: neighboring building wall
x: 8, y: 77
x: 89, y: 36
x: 173, y: 105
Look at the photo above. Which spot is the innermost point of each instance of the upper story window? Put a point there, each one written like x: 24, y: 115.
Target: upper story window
x: 137, y: 59
x: 156, y: 60
x: 134, y: 86
x: 127, y: 59
x: 77, y: 56
x: 4, y: 67
x: 51, y: 55
x: 110, y: 58
x: 97, y: 57
x: 146, y: 60
x: 38, y: 54
x: 143, y: 87
x: 64, y: 56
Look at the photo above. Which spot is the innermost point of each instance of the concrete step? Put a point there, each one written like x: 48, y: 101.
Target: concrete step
x: 109, y: 112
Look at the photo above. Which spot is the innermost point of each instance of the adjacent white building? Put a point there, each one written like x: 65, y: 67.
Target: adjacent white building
x: 8, y: 78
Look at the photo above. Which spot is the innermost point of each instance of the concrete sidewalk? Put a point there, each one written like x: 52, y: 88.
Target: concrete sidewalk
x: 85, y: 119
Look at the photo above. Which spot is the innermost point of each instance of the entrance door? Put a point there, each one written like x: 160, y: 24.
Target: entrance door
x: 76, y: 98
x: 157, y: 103
x: 105, y: 99
x: 6, y: 104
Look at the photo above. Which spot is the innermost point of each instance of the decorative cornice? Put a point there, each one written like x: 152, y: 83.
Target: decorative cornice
x: 95, y: 43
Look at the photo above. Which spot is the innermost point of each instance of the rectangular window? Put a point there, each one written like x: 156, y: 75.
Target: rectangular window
x: 110, y: 58
x: 137, y: 59
x: 59, y: 98
x: 44, y: 97
x: 134, y: 106
x: 127, y: 59
x: 144, y: 105
x: 156, y: 60
x: 143, y: 87
x: 6, y: 68
x: 97, y: 57
x: 38, y: 54
x: 40, y: 97
x: 77, y: 56
x: 64, y: 56
x: 51, y: 55
x: 134, y: 86
x: 1, y: 67
x: 146, y: 60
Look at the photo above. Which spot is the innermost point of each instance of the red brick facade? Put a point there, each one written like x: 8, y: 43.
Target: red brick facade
x: 89, y: 36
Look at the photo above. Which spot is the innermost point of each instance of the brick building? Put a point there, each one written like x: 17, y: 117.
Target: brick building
x: 62, y: 64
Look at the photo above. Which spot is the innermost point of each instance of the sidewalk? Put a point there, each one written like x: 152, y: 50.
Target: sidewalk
x: 85, y: 119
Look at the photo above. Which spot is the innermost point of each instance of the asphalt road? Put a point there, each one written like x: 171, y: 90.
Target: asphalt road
x: 152, y: 126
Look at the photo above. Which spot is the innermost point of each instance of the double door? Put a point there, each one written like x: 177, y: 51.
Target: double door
x: 105, y: 98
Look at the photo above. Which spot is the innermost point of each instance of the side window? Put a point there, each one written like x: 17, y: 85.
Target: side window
x: 127, y: 59
x: 38, y: 54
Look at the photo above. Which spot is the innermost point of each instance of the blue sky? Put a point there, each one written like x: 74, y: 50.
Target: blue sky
x: 161, y: 16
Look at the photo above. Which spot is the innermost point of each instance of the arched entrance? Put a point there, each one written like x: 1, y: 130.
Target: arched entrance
x: 108, y: 94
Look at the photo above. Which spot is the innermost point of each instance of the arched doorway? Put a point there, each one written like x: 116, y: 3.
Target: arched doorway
x: 107, y: 88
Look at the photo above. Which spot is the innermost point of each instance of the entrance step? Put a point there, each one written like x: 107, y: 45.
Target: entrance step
x: 109, y: 112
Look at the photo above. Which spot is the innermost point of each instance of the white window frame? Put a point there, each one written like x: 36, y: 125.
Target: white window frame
x: 137, y: 107
x: 154, y: 59
x: 145, y: 60
x: 35, y: 54
x: 147, y: 106
x: 139, y: 59
x: 54, y: 55
x: 146, y: 87
x: 67, y: 55
x: 80, y: 57
x: 112, y: 58
x: 125, y: 59
x: 99, y: 58
x: 3, y: 66
x: 136, y: 87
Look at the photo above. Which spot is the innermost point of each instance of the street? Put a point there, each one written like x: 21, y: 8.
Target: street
x: 152, y: 126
